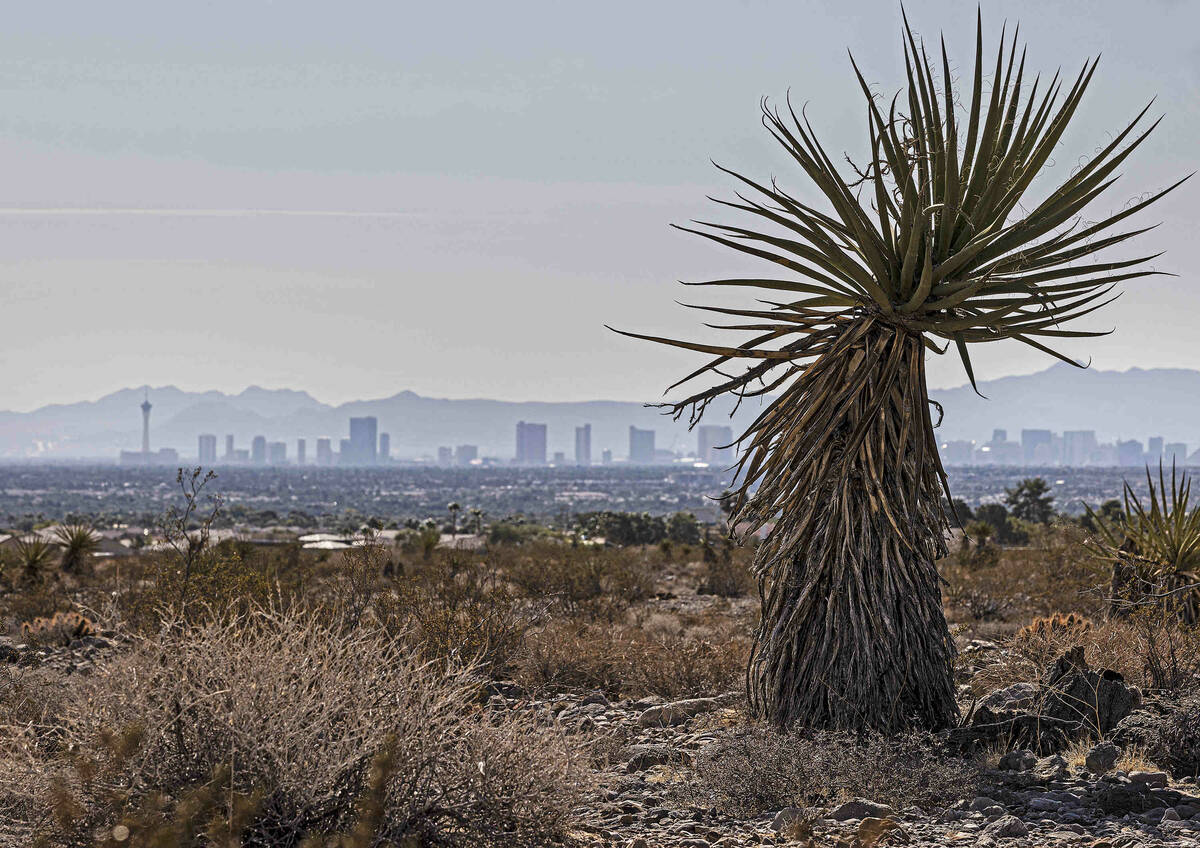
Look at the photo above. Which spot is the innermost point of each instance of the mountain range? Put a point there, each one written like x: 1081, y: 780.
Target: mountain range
x: 1136, y: 403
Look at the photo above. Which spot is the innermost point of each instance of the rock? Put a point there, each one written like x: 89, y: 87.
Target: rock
x: 1018, y: 761
x: 1170, y: 814
x: 1012, y: 698
x: 1156, y: 779
x: 637, y: 842
x: 1051, y: 768
x: 677, y: 712
x: 595, y: 698
x: 860, y: 808
x: 787, y: 817
x: 980, y: 804
x: 1044, y: 805
x: 1098, y: 700
x: 1008, y: 827
x: 1121, y: 798
x: 1102, y: 757
x: 642, y: 757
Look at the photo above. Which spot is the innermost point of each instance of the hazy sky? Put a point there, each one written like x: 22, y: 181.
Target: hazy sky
x: 360, y: 198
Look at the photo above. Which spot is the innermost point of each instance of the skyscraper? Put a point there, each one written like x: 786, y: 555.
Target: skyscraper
x: 277, y: 453
x: 445, y: 456
x: 146, y: 425
x: 641, y: 446
x: 324, y: 453
x: 301, y: 451
x: 230, y: 454
x: 606, y: 456
x: 1154, y: 449
x: 583, y: 445
x: 385, y: 447
x: 465, y: 454
x: 531, y: 443
x: 1130, y: 453
x: 1035, y: 447
x: 258, y: 450
x: 712, y: 444
x: 207, y: 449
x: 363, y: 441
x: 1078, y: 447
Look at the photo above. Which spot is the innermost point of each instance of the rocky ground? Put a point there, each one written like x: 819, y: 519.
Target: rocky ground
x: 1026, y: 801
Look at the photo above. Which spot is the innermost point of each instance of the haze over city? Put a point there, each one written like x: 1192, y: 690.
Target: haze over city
x: 355, y: 205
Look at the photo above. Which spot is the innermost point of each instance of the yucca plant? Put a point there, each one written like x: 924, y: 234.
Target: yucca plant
x: 78, y: 543
x: 932, y: 239
x: 1155, y: 552
x: 33, y: 552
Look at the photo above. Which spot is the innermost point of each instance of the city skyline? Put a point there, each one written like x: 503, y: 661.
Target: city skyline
x: 174, y: 180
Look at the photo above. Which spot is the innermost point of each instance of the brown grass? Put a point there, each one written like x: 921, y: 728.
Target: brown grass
x: 297, y: 710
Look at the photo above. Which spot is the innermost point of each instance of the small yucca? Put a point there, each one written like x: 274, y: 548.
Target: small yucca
x: 1154, y: 552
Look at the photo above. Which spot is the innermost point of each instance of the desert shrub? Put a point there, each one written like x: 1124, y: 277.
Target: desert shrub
x: 752, y: 771
x: 454, y: 608
x: 1174, y: 742
x: 633, y: 660
x: 299, y: 712
x: 723, y: 574
x: 579, y: 579
x: 229, y: 576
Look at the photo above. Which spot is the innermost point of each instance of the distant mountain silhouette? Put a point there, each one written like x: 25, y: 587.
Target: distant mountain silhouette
x: 1137, y: 403
x: 1133, y: 404
x: 417, y: 425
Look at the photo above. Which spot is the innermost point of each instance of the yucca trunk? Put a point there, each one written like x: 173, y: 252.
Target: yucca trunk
x: 853, y: 635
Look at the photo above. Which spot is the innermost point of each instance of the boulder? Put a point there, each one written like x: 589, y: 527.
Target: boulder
x: 1121, y: 798
x: 1018, y: 760
x: 1102, y: 757
x: 860, y: 808
x: 1153, y: 779
x: 677, y: 712
x: 1019, y: 696
x: 1098, y: 700
x: 1007, y: 827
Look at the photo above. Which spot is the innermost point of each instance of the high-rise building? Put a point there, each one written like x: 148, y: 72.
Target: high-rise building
x: 560, y: 458
x: 385, y: 447
x: 1130, y: 453
x: 606, y: 457
x: 531, y: 443
x: 258, y: 450
x: 583, y: 445
x: 1154, y: 449
x: 1079, y: 447
x: 641, y: 446
x: 345, y: 453
x: 713, y: 444
x: 363, y: 441
x: 445, y: 456
x: 324, y: 452
x: 301, y: 451
x: 465, y: 454
x: 230, y: 456
x: 1035, y: 447
x: 1175, y: 453
x: 277, y: 453
x: 206, y: 451
x: 146, y: 425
